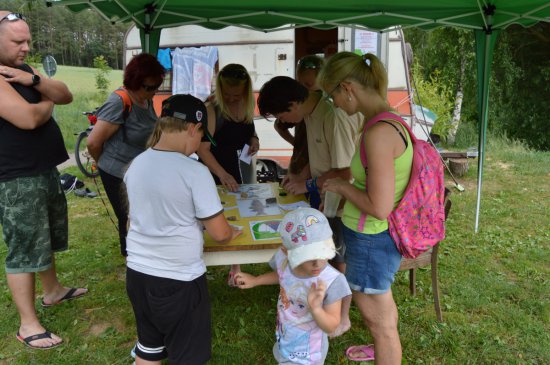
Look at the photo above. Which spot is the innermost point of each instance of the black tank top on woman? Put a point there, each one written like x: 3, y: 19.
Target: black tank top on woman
x: 29, y: 152
x: 230, y: 137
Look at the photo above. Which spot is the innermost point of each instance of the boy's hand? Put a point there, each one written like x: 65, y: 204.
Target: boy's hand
x: 316, y: 294
x: 244, y: 280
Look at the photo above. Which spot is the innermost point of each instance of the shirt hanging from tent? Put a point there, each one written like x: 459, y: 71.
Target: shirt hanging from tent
x: 193, y: 70
x: 164, y: 57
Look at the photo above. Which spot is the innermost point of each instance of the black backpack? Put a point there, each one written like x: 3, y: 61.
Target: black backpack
x: 70, y: 182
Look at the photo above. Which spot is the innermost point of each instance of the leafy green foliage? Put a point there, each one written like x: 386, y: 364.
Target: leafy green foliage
x: 435, y: 95
x: 35, y: 60
x: 520, y: 77
x: 101, y: 75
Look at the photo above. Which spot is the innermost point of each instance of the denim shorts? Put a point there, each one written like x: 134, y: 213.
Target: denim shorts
x: 371, y: 261
x: 33, y: 215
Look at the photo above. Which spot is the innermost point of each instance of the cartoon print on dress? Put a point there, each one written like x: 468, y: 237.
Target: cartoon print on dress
x: 296, y: 325
x: 298, y: 307
x: 300, y: 232
x: 283, y: 299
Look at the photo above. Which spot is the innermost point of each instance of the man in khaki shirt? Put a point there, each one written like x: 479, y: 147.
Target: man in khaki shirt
x: 331, y: 133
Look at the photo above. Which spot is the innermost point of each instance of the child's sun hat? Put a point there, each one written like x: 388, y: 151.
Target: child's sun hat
x: 306, y: 235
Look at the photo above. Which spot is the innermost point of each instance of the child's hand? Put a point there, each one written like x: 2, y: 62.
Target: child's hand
x: 235, y: 232
x: 244, y: 280
x: 316, y: 294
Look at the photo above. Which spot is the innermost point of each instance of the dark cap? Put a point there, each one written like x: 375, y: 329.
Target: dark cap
x: 188, y: 108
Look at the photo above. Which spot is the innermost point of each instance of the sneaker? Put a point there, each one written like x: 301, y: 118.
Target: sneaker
x: 85, y: 193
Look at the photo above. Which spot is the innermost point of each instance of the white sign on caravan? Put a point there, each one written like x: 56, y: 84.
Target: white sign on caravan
x: 365, y: 41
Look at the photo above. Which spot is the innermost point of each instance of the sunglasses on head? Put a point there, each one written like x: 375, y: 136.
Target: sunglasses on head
x: 13, y: 17
x: 234, y: 74
x: 150, y: 88
x: 308, y: 65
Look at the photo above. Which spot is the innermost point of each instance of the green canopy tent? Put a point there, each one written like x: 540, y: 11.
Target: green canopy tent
x: 485, y: 18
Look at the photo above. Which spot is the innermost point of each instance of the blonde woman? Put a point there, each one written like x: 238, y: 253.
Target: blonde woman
x: 231, y: 122
x: 359, y: 84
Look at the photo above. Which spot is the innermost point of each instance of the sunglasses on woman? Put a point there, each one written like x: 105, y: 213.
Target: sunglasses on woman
x: 150, y: 88
x: 13, y: 17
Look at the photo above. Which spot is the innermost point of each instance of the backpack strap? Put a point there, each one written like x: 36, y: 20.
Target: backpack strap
x: 398, y: 131
x: 126, y: 110
x: 126, y: 102
x: 363, y: 154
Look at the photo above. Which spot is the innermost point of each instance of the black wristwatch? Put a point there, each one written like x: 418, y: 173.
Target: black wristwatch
x: 35, y: 80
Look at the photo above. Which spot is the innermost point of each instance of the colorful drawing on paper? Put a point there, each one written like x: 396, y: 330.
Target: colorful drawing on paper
x: 265, y: 230
x: 258, y: 207
x: 253, y: 191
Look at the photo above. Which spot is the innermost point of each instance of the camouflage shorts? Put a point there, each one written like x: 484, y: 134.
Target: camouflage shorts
x: 33, y: 215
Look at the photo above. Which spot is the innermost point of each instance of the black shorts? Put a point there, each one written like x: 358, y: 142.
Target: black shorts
x: 338, y: 237
x: 172, y: 317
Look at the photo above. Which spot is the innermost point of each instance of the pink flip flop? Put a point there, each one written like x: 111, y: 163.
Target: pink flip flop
x: 231, y: 279
x: 367, y: 350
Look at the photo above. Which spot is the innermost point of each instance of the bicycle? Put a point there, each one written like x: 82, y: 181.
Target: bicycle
x: 84, y: 160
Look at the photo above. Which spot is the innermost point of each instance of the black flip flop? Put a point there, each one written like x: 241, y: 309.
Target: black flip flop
x: 68, y: 296
x: 27, y: 340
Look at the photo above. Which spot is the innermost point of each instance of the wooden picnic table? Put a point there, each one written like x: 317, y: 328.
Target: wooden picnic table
x: 245, y: 249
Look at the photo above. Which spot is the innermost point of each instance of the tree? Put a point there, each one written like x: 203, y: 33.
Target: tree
x: 520, y: 78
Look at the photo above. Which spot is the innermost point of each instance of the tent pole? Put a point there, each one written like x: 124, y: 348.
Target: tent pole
x: 483, y: 124
x: 487, y: 39
x: 146, y: 39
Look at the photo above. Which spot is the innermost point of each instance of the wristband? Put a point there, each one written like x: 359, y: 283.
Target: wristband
x: 311, y: 185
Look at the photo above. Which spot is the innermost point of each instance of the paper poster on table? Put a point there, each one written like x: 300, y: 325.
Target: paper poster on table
x: 249, y: 191
x: 258, y: 207
x: 265, y: 230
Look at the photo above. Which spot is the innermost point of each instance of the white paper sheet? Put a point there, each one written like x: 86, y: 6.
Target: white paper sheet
x: 245, y: 157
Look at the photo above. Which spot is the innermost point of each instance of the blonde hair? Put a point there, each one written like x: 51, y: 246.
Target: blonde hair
x: 367, y: 70
x: 231, y: 75
x: 166, y: 125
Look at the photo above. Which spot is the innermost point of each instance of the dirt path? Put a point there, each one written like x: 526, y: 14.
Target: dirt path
x: 70, y: 162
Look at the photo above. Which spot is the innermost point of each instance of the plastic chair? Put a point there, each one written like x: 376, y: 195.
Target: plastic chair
x: 427, y: 258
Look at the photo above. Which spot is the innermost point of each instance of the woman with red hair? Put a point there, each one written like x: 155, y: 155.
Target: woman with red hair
x: 120, y: 135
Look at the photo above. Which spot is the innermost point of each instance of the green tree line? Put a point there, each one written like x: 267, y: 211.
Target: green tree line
x: 520, y: 79
x: 74, y: 39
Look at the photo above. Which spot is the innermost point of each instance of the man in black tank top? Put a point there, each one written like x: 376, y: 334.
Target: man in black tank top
x: 33, y: 209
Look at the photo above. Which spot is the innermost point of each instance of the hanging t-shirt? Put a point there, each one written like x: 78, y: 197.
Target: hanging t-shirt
x: 193, y: 69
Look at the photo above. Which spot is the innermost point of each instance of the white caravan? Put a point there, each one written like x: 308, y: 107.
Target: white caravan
x: 266, y: 55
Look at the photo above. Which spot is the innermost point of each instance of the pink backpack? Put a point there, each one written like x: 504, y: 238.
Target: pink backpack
x: 417, y: 223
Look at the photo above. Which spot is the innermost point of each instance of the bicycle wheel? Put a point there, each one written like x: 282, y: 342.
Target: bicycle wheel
x: 84, y: 160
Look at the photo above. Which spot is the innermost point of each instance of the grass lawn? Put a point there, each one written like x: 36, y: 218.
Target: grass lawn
x: 495, y: 286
